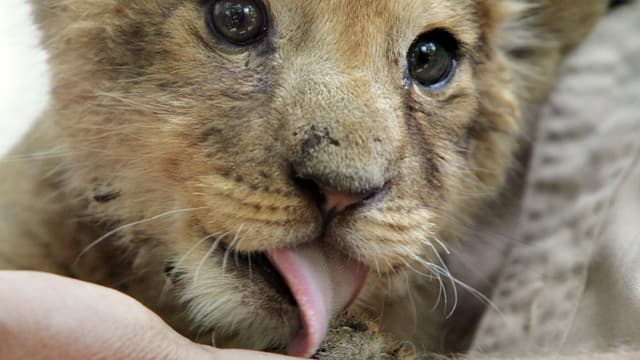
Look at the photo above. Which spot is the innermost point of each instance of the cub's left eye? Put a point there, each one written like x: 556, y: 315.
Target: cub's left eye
x: 432, y: 59
x: 241, y: 22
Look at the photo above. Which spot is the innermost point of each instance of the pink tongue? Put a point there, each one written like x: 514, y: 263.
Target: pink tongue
x: 323, y: 282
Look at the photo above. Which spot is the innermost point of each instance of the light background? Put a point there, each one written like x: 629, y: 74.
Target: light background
x: 23, y: 74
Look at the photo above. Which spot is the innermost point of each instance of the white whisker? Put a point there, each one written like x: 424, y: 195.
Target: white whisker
x: 164, y: 291
x: 135, y: 223
x: 235, y: 253
x: 412, y: 302
x: 44, y: 155
x: 192, y: 248
x: 448, y: 274
x: 250, y: 268
x: 212, y: 248
x: 442, y: 270
x: 229, y: 247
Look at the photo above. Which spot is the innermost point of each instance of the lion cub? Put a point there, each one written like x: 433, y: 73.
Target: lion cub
x: 249, y: 169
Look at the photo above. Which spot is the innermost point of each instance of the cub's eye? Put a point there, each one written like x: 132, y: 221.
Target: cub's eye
x: 241, y: 22
x: 432, y: 59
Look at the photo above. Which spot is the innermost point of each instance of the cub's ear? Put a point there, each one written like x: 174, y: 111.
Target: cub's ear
x: 47, y: 13
x: 564, y: 23
x: 53, y: 17
x: 538, y: 34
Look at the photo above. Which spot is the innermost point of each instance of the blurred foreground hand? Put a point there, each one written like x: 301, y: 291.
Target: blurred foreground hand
x: 44, y: 316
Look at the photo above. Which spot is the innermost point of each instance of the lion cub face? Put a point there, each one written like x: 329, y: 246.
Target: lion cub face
x: 226, y: 129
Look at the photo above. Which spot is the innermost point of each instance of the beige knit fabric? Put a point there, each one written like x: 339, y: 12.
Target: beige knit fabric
x: 573, y: 282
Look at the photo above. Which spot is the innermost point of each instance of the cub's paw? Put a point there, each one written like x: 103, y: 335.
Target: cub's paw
x: 356, y: 339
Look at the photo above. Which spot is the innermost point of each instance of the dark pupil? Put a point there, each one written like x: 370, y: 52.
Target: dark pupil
x: 239, y: 21
x: 233, y: 16
x: 430, y: 63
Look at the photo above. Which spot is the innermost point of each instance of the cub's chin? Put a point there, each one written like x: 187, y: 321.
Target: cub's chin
x: 239, y: 299
x: 282, y: 299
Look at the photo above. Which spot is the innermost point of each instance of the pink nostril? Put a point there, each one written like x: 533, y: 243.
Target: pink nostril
x: 335, y: 201
x: 339, y: 202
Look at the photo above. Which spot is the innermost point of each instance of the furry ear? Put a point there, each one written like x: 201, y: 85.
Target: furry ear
x: 564, y: 23
x: 47, y: 13
x: 53, y: 17
x: 538, y: 34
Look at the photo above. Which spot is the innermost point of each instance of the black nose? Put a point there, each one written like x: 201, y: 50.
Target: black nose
x: 334, y: 201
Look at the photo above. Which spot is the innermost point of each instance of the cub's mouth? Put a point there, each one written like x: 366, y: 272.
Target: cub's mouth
x: 261, y: 263
x: 319, y: 280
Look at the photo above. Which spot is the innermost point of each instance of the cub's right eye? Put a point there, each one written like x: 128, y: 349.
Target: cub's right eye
x: 240, y: 22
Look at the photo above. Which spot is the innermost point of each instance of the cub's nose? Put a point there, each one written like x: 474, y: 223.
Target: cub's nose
x: 339, y: 202
x: 331, y: 201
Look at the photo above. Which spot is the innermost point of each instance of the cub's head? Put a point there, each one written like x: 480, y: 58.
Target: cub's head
x: 225, y: 139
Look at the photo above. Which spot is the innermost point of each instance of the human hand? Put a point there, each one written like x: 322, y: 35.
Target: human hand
x: 44, y: 316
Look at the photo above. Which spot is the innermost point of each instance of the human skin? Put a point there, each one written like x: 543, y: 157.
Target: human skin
x: 45, y: 316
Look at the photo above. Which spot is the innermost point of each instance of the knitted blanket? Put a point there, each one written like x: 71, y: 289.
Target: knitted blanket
x: 572, y: 282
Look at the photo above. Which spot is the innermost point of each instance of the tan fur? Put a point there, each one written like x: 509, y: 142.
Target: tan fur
x: 186, y: 146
